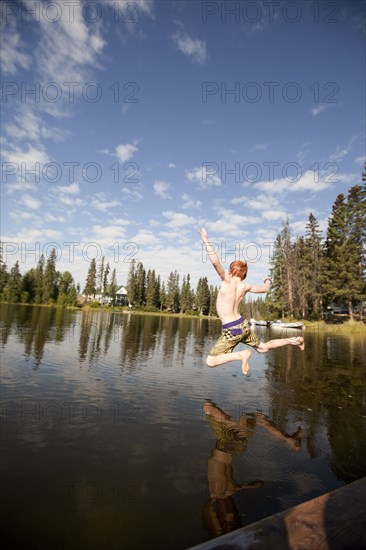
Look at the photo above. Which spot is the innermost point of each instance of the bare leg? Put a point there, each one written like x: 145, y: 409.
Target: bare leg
x: 243, y: 356
x: 279, y: 342
x: 293, y: 440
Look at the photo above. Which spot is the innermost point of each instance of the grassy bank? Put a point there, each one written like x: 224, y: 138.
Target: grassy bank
x: 343, y: 328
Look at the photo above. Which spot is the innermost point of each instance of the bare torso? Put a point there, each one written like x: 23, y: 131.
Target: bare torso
x: 230, y: 295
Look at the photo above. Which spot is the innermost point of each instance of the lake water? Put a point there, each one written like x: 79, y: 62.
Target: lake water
x: 116, y: 435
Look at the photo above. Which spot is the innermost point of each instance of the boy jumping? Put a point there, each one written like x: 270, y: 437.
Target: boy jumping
x: 235, y: 329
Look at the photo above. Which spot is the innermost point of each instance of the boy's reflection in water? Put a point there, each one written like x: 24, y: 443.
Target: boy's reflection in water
x: 220, y: 512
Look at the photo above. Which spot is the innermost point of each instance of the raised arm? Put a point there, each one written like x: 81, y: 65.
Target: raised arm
x: 260, y: 289
x: 212, y: 254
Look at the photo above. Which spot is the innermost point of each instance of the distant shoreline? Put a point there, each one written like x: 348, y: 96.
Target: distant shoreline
x: 346, y: 327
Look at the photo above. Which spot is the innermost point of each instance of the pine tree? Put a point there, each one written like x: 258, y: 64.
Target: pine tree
x: 356, y: 241
x: 186, y: 300
x: 172, y: 292
x: 39, y: 281
x: 141, y: 284
x: 162, y: 296
x: 157, y: 292
x: 50, y: 279
x: 100, y: 279
x: 91, y: 280
x: 132, y: 284
x: 312, y: 266
x: 113, y: 287
x: 105, y: 281
x: 4, y: 276
x: 203, y: 296
x: 276, y: 296
x: 29, y: 286
x: 303, y: 274
x: 344, y: 265
x: 213, y: 298
x: 151, y: 289
x: 13, y: 287
x: 334, y: 266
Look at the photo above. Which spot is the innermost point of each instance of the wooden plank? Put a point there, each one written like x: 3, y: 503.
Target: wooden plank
x: 334, y: 521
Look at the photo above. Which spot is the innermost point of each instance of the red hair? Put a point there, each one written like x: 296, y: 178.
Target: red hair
x: 238, y: 269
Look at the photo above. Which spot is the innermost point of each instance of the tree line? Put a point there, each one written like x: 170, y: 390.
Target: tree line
x: 310, y: 273
x: 40, y: 285
x: 146, y: 289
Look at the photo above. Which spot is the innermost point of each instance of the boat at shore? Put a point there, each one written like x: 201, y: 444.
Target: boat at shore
x: 260, y: 323
x: 298, y: 325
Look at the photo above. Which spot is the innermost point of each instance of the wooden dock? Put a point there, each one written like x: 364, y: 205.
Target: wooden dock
x: 334, y: 521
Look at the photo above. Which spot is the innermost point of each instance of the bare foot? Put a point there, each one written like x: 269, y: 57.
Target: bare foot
x: 298, y: 341
x: 301, y: 343
x: 295, y: 440
x: 244, y: 365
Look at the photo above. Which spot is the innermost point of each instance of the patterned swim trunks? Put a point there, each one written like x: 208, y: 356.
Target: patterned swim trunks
x: 233, y: 334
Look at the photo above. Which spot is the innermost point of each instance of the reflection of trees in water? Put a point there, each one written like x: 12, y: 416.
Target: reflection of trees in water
x: 34, y: 327
x: 137, y: 338
x: 325, y: 385
x: 7, y: 316
x: 144, y: 335
x: 98, y: 330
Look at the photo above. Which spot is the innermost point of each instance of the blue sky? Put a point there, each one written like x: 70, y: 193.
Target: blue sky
x: 149, y: 119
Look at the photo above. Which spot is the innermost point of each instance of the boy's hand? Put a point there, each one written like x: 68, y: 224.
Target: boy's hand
x: 204, y: 235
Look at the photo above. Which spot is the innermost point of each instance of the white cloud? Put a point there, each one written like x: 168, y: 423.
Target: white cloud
x: 52, y: 218
x: 20, y: 186
x: 319, y: 109
x: 145, y: 237
x: 26, y: 158
x: 24, y: 216
x: 360, y: 160
x: 231, y: 223
x: 67, y: 52
x: 68, y: 201
x: 104, y: 206
x: 275, y: 215
x: 203, y: 176
x: 161, y: 189
x: 12, y: 52
x: 340, y: 153
x: 192, y: 47
x: 348, y: 178
x: 176, y: 236
x: 30, y: 202
x: 171, y: 165
x: 72, y: 189
x: 132, y: 193
x: 261, y: 202
x: 309, y: 181
x: 260, y: 147
x: 107, y: 233
x: 178, y: 219
x: 189, y: 203
x: 145, y: 6
x: 299, y: 227
x: 120, y: 221
x: 125, y: 151
x: 27, y: 125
